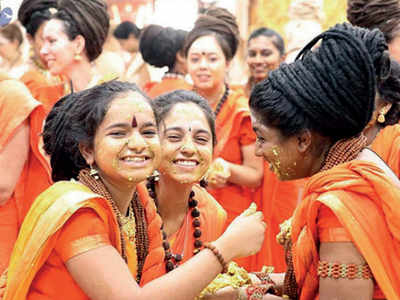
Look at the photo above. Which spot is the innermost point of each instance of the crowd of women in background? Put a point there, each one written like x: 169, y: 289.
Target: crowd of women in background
x: 116, y: 186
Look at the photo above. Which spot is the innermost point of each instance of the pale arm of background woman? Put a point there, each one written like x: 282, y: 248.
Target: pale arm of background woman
x: 12, y: 161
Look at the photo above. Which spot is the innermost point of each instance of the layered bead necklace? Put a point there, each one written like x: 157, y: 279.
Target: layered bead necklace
x: 172, y: 260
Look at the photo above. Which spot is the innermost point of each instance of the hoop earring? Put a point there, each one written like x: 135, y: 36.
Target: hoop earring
x: 94, y: 173
x: 381, y: 117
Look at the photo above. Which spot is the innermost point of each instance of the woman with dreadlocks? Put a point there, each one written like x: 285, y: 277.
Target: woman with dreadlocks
x: 87, y: 238
x: 343, y: 240
x: 73, y: 38
x: 33, y: 15
x: 382, y: 132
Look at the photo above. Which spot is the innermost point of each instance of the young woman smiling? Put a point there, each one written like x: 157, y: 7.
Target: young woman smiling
x: 87, y: 238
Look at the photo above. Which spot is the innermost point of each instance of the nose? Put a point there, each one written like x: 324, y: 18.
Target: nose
x: 44, y: 49
x: 136, y: 143
x: 258, y: 59
x: 188, y: 148
x: 203, y: 63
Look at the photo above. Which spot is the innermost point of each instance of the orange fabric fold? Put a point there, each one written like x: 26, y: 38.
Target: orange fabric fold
x: 16, y: 106
x: 367, y: 205
x: 212, y: 219
x: 166, y: 85
x: 277, y: 200
x: 233, y: 128
x: 35, y: 271
x: 387, y: 146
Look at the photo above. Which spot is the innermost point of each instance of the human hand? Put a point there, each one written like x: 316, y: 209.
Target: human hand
x: 244, y: 236
x: 218, y: 174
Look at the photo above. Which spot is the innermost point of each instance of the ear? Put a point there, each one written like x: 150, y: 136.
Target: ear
x: 304, y: 140
x: 384, y: 107
x: 87, y: 153
x: 180, y: 57
x: 80, y: 43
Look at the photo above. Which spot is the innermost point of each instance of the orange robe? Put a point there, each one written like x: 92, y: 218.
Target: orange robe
x: 387, y: 146
x: 234, y: 130
x: 367, y: 206
x: 65, y: 220
x: 43, y: 86
x: 212, y: 220
x: 154, y: 89
x: 277, y: 200
x: 16, y: 106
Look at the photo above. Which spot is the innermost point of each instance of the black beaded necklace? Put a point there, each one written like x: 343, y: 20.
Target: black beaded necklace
x: 172, y: 260
x: 222, y: 100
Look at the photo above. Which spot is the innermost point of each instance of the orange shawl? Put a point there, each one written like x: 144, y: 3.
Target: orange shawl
x: 50, y: 211
x: 154, y: 89
x: 277, y: 200
x: 229, y: 128
x: 387, y: 146
x: 16, y: 106
x: 212, y: 219
x: 37, y: 237
x: 368, y: 206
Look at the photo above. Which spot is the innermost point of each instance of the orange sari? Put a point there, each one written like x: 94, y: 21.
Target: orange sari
x: 367, y: 205
x: 66, y: 220
x: 277, y: 200
x: 234, y: 130
x: 16, y: 106
x: 212, y: 219
x: 154, y: 89
x: 387, y: 146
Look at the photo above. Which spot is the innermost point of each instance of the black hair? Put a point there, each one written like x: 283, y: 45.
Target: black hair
x: 159, y: 45
x: 221, y: 24
x: 389, y: 91
x: 125, y: 29
x: 165, y: 102
x: 88, y: 18
x: 381, y: 14
x: 330, y: 90
x: 73, y: 120
x: 276, y: 38
x: 33, y: 13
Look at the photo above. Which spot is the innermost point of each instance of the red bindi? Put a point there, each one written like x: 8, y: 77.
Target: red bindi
x: 134, y: 122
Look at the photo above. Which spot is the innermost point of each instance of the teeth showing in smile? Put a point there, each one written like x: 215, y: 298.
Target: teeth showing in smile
x: 186, y: 163
x: 134, y: 159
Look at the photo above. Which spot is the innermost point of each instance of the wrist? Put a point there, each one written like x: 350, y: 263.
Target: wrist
x: 225, y: 248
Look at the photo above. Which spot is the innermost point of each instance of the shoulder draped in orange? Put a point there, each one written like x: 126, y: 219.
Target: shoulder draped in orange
x: 387, y: 146
x: 367, y: 205
x: 277, y: 200
x: 233, y: 128
x: 154, y: 89
x: 212, y: 219
x: 16, y: 106
x: 41, y: 272
x: 43, y: 86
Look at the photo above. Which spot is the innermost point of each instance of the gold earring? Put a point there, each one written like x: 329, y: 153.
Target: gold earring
x: 381, y: 117
x: 78, y: 57
x: 94, y: 173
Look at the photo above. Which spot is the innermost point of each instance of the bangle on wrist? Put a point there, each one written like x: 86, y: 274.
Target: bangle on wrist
x: 218, y: 255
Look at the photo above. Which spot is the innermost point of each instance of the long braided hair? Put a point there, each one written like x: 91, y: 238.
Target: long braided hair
x: 330, y: 90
